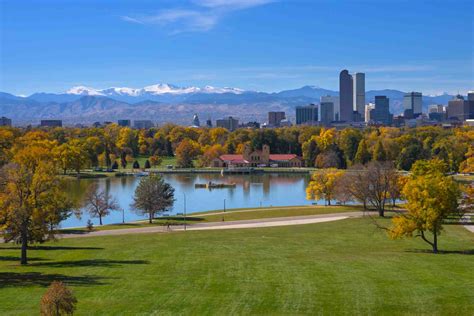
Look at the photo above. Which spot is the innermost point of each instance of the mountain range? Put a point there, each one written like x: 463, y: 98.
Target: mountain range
x: 169, y: 103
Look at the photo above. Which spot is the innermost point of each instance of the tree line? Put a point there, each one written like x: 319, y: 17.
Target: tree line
x: 112, y: 145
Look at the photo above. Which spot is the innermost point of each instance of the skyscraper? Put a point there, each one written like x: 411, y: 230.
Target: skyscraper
x: 346, y: 96
x: 275, y: 118
x: 358, y: 80
x: 229, y: 122
x: 196, y: 122
x: 4, y: 121
x: 460, y: 109
x: 470, y: 96
x: 326, y: 113
x: 413, y: 101
x: 337, y: 107
x: 381, y: 112
x: 307, y: 114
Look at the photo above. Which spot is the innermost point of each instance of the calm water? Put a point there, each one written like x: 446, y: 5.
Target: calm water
x: 251, y: 191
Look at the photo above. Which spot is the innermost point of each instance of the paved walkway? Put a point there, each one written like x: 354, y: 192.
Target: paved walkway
x: 467, y: 219
x: 253, y: 223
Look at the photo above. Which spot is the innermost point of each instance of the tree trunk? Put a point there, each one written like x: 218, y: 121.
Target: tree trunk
x: 435, y: 242
x: 100, y: 219
x: 365, y: 205
x: 381, y: 212
x: 150, y: 219
x: 329, y: 202
x: 24, y: 245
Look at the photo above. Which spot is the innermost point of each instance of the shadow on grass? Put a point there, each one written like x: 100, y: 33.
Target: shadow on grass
x: 12, y: 279
x: 73, y: 232
x: 52, y: 248
x: 89, y: 263
x: 443, y: 252
x: 13, y: 258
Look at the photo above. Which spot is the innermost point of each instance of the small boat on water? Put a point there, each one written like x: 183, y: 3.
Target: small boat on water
x: 142, y: 174
x: 212, y: 185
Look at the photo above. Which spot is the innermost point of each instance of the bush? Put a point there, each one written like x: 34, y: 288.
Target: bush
x: 90, y: 225
x: 115, y: 165
x: 58, y: 300
x: 147, y: 164
x: 136, y: 165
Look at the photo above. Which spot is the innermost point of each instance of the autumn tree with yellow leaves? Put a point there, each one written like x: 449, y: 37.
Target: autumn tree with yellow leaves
x: 32, y: 201
x: 431, y: 197
x: 323, y: 185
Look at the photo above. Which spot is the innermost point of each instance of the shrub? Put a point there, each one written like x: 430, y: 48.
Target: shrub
x: 58, y: 300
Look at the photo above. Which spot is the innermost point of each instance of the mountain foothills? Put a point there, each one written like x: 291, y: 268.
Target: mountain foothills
x: 166, y: 103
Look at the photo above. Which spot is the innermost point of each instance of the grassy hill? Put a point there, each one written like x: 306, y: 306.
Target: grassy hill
x: 343, y: 267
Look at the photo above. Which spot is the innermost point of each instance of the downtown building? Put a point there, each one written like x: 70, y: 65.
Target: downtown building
x: 142, y: 124
x: 336, y: 105
x: 460, y: 109
x: 412, y: 104
x: 275, y: 118
x: 229, y: 123
x: 351, y: 96
x: 380, y: 114
x: 4, y: 121
x: 307, y: 115
x: 51, y: 123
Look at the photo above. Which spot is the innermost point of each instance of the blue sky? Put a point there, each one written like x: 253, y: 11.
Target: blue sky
x: 261, y: 45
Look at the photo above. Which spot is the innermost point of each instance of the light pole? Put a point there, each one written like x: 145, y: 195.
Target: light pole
x: 224, y: 212
x: 184, y: 194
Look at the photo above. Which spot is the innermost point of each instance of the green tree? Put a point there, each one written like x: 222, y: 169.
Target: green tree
x: 362, y: 155
x: 153, y: 195
x: 379, y: 152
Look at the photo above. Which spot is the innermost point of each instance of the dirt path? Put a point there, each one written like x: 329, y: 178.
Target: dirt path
x: 253, y: 223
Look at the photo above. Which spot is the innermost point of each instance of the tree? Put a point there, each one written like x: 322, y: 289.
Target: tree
x: 431, y: 197
x: 323, y: 184
x: 349, y: 141
x: 155, y: 160
x: 153, y: 195
x: 210, y: 154
x: 58, y: 300
x: 99, y: 203
x: 379, y: 152
x: 356, y: 184
x: 310, y: 151
x: 186, y: 152
x: 379, y: 179
x: 147, y: 164
x: 362, y: 155
x: 32, y: 201
x: 136, y: 165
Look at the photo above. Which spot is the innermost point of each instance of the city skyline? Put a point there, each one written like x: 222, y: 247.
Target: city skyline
x: 227, y: 44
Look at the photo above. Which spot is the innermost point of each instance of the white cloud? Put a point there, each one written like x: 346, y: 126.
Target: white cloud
x: 203, y: 17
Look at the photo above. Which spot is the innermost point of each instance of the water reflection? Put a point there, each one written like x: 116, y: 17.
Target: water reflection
x: 250, y: 191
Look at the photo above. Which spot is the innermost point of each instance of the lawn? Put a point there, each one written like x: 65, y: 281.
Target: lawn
x: 344, y: 267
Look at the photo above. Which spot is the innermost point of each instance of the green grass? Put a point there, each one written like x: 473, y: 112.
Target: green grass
x: 237, y: 214
x: 346, y: 267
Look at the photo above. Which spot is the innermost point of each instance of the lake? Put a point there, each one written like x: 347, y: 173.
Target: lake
x: 251, y: 191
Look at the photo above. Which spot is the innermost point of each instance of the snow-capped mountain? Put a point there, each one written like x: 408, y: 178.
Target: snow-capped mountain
x: 156, y: 89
